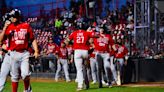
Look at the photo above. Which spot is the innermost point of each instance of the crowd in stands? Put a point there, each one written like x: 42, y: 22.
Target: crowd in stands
x: 119, y: 23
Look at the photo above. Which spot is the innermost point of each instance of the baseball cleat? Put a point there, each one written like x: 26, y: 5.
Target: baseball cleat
x: 29, y: 89
x: 76, y: 80
x: 79, y: 89
x: 104, y: 83
x: 109, y: 85
x: 56, y: 79
x: 118, y: 82
x: 93, y: 82
x: 68, y: 80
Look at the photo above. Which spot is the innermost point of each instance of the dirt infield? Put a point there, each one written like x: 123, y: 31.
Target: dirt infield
x: 139, y: 84
x: 146, y: 84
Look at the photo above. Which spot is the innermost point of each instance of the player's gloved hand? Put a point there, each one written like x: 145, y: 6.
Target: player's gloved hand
x: 36, y: 54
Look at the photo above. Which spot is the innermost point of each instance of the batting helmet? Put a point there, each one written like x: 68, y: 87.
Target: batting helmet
x: 80, y: 25
x: 15, y: 13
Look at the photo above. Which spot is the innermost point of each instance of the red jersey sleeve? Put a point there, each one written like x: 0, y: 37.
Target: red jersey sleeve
x: 71, y: 36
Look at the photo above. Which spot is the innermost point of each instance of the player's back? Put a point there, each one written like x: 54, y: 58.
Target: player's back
x: 80, y: 38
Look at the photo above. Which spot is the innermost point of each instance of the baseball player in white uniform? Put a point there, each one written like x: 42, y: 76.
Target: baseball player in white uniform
x: 102, y: 45
x: 62, y: 62
x: 120, y: 56
x: 19, y: 34
x: 80, y: 38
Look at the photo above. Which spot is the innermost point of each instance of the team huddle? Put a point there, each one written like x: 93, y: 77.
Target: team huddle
x: 89, y: 49
x: 100, y: 52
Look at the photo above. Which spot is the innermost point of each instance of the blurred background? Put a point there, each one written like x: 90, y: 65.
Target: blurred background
x: 139, y: 23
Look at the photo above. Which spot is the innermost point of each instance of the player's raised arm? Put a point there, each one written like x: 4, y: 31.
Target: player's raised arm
x: 7, y: 23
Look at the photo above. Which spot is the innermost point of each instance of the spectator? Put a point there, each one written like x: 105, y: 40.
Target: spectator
x: 147, y: 52
x: 58, y: 24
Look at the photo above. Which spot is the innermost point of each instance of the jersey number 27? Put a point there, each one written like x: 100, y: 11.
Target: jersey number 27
x: 80, y: 39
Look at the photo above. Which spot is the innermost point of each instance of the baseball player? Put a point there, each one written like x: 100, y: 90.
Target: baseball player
x: 121, y: 53
x: 102, y: 55
x: 62, y: 62
x: 80, y: 38
x: 94, y: 66
x: 112, y: 65
x: 70, y: 58
x: 19, y: 34
x: 52, y: 49
x: 5, y: 68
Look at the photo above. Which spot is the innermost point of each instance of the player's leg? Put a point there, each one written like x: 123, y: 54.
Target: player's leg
x: 25, y: 71
x: 79, y: 64
x: 113, y: 69
x: 106, y: 63
x: 103, y: 80
x: 85, y: 73
x: 119, y: 71
x: 93, y: 70
x: 14, y: 70
x: 5, y: 69
x: 99, y: 69
x: 58, y: 70
x: 55, y: 63
x: 85, y: 68
x: 102, y: 74
x: 65, y: 68
x: 52, y: 62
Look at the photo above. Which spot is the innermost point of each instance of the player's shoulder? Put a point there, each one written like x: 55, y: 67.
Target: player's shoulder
x: 10, y: 25
x: 74, y: 32
x: 25, y: 24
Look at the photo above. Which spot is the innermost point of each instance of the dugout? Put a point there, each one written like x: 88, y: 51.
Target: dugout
x: 144, y: 70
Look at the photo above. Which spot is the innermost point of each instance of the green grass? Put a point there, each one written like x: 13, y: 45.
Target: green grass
x: 71, y: 87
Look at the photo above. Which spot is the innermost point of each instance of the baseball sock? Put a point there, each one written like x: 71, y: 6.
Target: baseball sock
x: 26, y: 83
x: 14, y: 86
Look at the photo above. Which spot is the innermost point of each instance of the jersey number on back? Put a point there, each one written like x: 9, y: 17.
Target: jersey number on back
x: 80, y: 39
